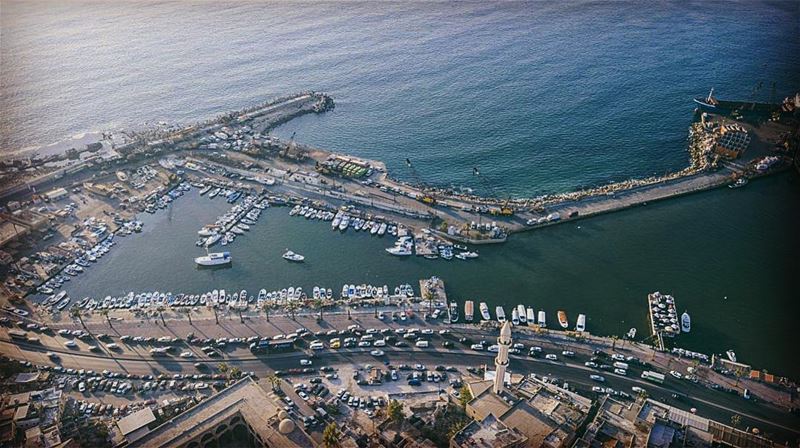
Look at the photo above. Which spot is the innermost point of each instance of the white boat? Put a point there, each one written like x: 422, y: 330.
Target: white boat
x: 291, y: 256
x: 521, y: 313
x: 686, y: 322
x: 453, y: 312
x: 542, y: 320
x: 468, y: 311
x: 485, y: 311
x: 501, y: 314
x: 382, y: 229
x: 731, y: 355
x: 514, y: 316
x: 631, y: 333
x: 531, y: 315
x: 399, y: 251
x: 344, y: 223
x: 581, y: 325
x: 214, y: 259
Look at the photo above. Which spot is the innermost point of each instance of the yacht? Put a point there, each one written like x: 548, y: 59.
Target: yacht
x: 631, y: 333
x: 686, y: 322
x: 344, y: 223
x: 581, y: 325
x: 291, y: 256
x: 214, y: 259
x: 453, y: 312
x: 514, y: 316
x: 542, y: 321
x: 468, y: 311
x: 562, y: 319
x: 731, y: 355
x: 531, y: 315
x: 485, y: 311
x: 521, y: 314
x: 501, y: 314
x: 400, y: 251
x: 466, y: 255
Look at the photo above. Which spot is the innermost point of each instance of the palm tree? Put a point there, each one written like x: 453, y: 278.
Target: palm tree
x: 736, y: 419
x: 216, y: 317
x: 614, y: 342
x: 234, y: 372
x: 188, y: 313
x: 161, y: 310
x: 429, y: 297
x: 348, y: 313
x: 395, y: 411
x: 331, y: 436
x: 104, y: 313
x: 291, y: 308
x: 375, y: 307
x: 266, y: 306
x: 318, y: 304
x: 241, y: 319
x: 275, y: 381
x: 76, y: 312
x: 222, y: 367
x: 465, y: 395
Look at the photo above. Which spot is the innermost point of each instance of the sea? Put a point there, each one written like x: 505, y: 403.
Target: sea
x: 542, y: 97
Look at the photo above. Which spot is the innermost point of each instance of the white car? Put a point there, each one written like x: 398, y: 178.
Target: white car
x: 621, y: 371
x: 112, y: 346
x: 427, y: 331
x: 81, y: 387
x: 638, y: 390
x: 676, y: 374
x: 477, y: 347
x: 493, y: 348
x: 70, y: 344
x: 551, y: 357
x: 316, y: 346
x: 597, y: 378
x: 305, y: 362
x: 364, y: 344
x: 187, y: 355
x: 376, y: 353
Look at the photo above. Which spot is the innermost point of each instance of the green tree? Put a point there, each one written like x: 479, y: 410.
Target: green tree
x: 465, y: 395
x: 266, y: 307
x: 234, y: 373
x: 292, y: 308
x: 395, y: 411
x: 736, y: 419
x: 216, y: 316
x: 161, y: 310
x: 319, y: 305
x: 105, y: 313
x: 331, y: 436
x: 223, y: 367
x: 428, y: 296
x: 76, y: 312
x: 188, y: 313
x: 274, y: 381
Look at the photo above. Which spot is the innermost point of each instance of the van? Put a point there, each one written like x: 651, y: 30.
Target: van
x: 621, y: 365
x: 368, y: 337
x: 321, y: 412
x: 422, y: 344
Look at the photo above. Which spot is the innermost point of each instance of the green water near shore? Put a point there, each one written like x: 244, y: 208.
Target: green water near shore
x: 726, y: 255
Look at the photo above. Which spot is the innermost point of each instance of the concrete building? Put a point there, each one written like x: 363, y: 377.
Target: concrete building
x: 242, y: 414
x: 488, y: 433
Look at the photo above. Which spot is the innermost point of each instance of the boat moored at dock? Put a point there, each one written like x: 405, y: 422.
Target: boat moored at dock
x: 214, y: 259
x: 485, y: 311
x: 542, y: 319
x: 501, y: 314
x: 686, y: 322
x: 581, y: 324
x: 521, y: 313
x: 468, y: 311
x: 562, y: 319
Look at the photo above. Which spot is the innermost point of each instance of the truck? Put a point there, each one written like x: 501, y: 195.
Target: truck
x: 653, y: 376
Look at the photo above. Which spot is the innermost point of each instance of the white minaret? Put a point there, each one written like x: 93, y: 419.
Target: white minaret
x: 501, y: 362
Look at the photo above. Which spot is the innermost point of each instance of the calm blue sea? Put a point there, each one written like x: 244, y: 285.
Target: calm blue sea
x: 541, y: 96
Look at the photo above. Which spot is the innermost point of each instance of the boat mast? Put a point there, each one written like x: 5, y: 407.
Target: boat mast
x: 710, y: 95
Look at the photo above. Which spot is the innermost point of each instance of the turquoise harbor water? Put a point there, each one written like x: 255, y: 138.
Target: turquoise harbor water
x: 542, y: 97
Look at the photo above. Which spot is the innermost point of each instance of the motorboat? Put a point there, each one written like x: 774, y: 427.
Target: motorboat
x: 400, y: 251
x: 468, y: 311
x: 485, y: 311
x: 531, y: 315
x: 686, y: 322
x: 631, y: 333
x: 214, y: 259
x: 731, y: 355
x: 521, y: 313
x: 453, y: 312
x: 740, y: 182
x: 581, y: 325
x: 542, y: 321
x: 291, y: 256
x: 562, y: 319
x: 501, y: 314
x: 514, y: 316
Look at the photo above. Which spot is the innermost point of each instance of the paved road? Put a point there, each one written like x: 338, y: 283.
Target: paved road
x: 710, y: 403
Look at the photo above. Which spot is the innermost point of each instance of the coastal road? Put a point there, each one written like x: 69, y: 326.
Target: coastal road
x: 709, y: 403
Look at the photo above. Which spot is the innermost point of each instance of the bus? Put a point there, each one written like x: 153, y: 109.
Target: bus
x: 653, y: 376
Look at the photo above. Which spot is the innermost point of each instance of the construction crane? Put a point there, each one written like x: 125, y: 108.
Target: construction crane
x: 505, y: 208
x: 424, y: 197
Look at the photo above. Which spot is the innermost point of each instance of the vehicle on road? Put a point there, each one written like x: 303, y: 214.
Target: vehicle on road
x: 551, y: 357
x: 305, y: 362
x: 653, y: 376
x: 376, y: 353
x: 597, y: 378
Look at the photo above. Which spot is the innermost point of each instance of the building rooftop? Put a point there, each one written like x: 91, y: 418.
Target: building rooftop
x: 136, y: 421
x: 245, y: 398
x: 488, y: 433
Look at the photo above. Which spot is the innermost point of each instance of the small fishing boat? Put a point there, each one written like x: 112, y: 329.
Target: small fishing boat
x: 291, y: 256
x: 468, y: 311
x: 562, y: 319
